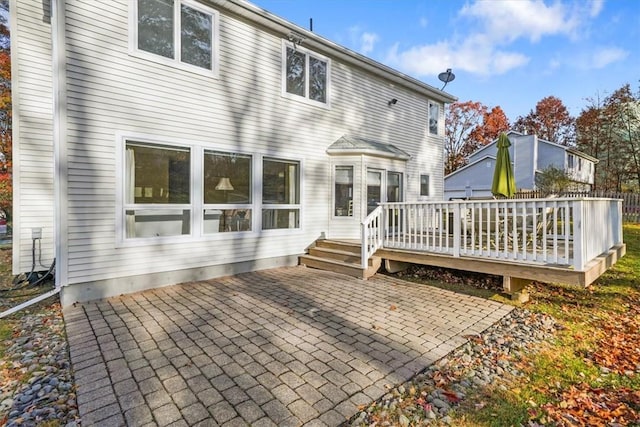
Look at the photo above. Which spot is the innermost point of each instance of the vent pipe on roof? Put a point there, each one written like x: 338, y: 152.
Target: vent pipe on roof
x: 311, y: 24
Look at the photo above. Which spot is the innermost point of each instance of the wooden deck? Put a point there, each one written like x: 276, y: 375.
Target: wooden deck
x: 527, y: 271
x: 530, y: 271
x: 569, y: 241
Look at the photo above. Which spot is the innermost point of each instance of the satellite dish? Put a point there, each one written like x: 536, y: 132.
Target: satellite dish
x: 446, y: 77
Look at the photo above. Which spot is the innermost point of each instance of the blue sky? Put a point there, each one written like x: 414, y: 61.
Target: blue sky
x: 510, y: 53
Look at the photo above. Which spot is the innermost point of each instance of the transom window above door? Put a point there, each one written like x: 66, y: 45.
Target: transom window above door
x: 176, y: 32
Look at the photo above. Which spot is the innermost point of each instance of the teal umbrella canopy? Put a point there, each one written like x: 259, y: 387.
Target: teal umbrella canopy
x: 504, y: 183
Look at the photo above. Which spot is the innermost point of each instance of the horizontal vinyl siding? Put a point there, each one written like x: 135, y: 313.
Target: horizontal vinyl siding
x: 110, y: 92
x: 33, y: 130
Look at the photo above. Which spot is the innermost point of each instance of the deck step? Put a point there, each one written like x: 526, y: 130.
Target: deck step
x: 338, y: 255
x: 341, y: 257
x: 337, y: 266
x: 339, y: 245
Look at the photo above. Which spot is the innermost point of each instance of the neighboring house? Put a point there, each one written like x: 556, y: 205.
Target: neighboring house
x: 159, y: 142
x: 530, y: 155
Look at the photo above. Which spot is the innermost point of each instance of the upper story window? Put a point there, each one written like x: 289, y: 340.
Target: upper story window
x: 570, y: 161
x: 305, y: 74
x: 434, y: 115
x: 179, y: 31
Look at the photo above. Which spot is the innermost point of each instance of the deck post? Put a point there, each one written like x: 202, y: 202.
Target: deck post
x: 364, y: 257
x: 456, y: 229
x: 579, y: 240
x: 516, y: 287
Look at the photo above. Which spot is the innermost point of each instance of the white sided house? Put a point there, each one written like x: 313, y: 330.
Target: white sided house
x: 530, y: 155
x: 158, y: 142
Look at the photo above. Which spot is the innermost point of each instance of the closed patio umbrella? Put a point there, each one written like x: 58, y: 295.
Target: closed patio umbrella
x: 504, y: 183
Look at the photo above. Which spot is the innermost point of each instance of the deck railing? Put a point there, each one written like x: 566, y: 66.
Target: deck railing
x: 371, y: 232
x: 559, y: 231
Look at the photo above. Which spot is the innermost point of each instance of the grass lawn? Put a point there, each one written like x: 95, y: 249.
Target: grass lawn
x: 590, y: 374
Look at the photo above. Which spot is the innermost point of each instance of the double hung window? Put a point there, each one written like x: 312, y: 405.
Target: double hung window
x: 157, y: 190
x: 227, y: 192
x: 424, y: 185
x: 305, y: 74
x: 343, y: 191
x: 280, y: 194
x: 180, y: 31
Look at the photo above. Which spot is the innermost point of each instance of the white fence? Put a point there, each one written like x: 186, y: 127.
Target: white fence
x: 560, y: 231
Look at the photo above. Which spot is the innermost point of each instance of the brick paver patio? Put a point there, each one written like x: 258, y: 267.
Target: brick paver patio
x: 288, y: 346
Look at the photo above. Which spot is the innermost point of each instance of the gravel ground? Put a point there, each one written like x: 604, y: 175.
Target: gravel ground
x: 36, y: 384
x: 488, y: 359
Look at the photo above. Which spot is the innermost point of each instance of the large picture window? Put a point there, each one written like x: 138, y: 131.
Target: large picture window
x: 179, y: 30
x: 306, y: 74
x: 172, y: 191
x: 227, y: 192
x: 280, y: 194
x: 157, y: 190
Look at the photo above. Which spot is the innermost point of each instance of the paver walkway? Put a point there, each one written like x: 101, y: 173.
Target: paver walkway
x: 288, y: 346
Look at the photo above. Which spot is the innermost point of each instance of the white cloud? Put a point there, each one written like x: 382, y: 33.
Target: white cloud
x: 474, y: 56
x: 596, y: 8
x: 362, y: 41
x: 368, y: 40
x: 602, y: 57
x: 492, y: 28
x: 509, y: 20
x: 592, y: 59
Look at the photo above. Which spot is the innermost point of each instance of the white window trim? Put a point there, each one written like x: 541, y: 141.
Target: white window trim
x: 299, y: 206
x: 420, y: 175
x: 195, y: 158
x: 197, y: 205
x: 229, y: 206
x: 438, y: 132
x: 305, y: 99
x: 176, y: 62
x: 332, y: 213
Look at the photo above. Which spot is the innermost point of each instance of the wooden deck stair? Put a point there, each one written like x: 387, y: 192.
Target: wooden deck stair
x: 340, y: 257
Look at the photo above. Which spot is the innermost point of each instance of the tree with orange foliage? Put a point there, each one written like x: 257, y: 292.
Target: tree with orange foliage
x: 6, y: 188
x: 550, y: 121
x: 494, y: 122
x: 469, y: 125
x: 461, y: 119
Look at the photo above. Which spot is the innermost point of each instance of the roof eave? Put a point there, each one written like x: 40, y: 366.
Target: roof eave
x: 314, y: 41
x: 368, y: 152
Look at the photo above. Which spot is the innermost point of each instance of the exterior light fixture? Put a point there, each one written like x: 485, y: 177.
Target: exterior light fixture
x: 392, y: 102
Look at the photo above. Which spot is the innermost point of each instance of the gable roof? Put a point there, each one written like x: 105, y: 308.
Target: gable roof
x: 315, y: 42
x: 470, y: 165
x: 354, y: 145
x: 568, y: 149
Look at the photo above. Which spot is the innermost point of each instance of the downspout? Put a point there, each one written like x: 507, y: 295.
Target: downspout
x: 59, y: 63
